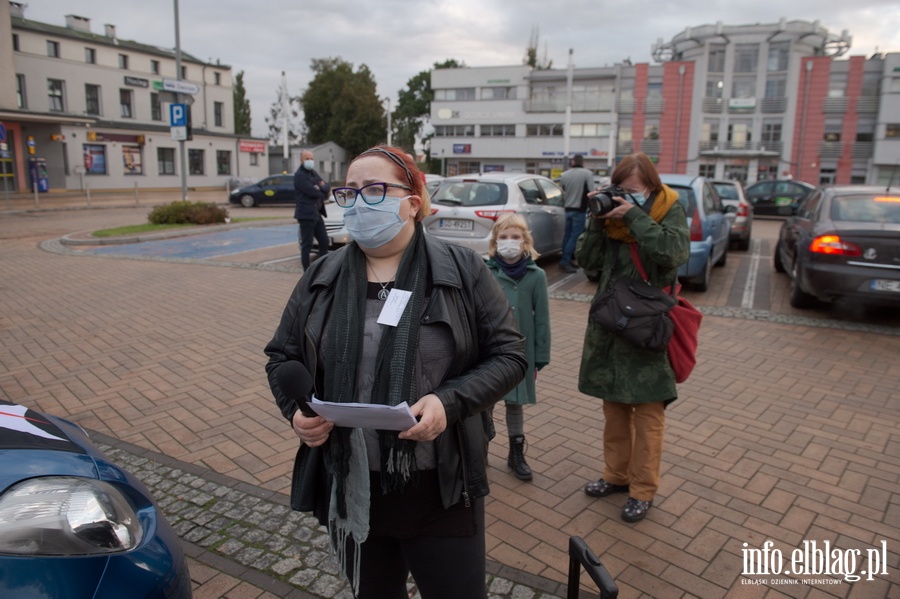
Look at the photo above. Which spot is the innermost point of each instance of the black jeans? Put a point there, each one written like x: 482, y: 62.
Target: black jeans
x: 443, y: 567
x: 309, y: 230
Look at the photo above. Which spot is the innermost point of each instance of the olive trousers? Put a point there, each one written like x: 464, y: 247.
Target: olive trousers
x: 632, y: 446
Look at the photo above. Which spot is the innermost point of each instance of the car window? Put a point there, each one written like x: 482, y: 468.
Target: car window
x: 726, y: 191
x: 470, y: 193
x: 686, y: 197
x: 710, y: 199
x: 285, y: 180
x: 786, y: 188
x: 552, y: 193
x: 761, y: 189
x: 866, y: 209
x: 531, y: 192
x: 269, y: 182
x: 809, y: 206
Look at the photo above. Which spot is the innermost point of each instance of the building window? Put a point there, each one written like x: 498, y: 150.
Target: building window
x: 155, y: 107
x: 223, y: 162
x: 132, y: 160
x: 771, y: 131
x: 708, y: 171
x: 52, y: 49
x: 833, y: 127
x: 218, y: 113
x: 714, y: 88
x: 92, y: 99
x: 544, y: 130
x: 710, y: 130
x: 776, y: 87
x: 125, y: 101
x: 716, y: 60
x: 498, y: 131
x: 123, y: 61
x: 21, y: 100
x: 498, y: 93
x: 654, y: 90
x: 739, y: 134
x: 589, y: 130
x: 90, y: 56
x: 165, y: 157
x: 195, y: 162
x: 56, y: 95
x: 217, y: 78
x: 94, y: 159
x: 743, y: 87
x: 746, y: 58
x: 651, y: 129
x: 183, y: 72
x: 154, y: 67
x: 837, y: 83
x: 865, y: 129
x: 454, y: 131
x: 254, y: 158
x: 892, y: 131
x: 15, y: 42
x: 779, y: 53
x: 454, y: 95
x: 871, y: 84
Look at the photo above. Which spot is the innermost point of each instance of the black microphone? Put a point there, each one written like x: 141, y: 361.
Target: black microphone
x: 295, y: 383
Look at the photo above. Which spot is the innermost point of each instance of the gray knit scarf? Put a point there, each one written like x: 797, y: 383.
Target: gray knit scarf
x: 395, y: 362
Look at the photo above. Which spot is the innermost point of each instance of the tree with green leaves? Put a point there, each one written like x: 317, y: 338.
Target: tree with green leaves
x: 285, y: 109
x: 341, y: 105
x: 241, y: 106
x: 531, y: 53
x: 414, y: 108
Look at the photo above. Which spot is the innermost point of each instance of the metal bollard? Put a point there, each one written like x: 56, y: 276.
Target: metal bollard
x: 135, y: 194
x: 37, y: 202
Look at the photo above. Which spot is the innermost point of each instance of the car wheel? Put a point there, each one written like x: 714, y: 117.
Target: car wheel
x: 247, y: 201
x: 701, y: 283
x: 779, y: 265
x: 799, y: 298
x: 724, y: 258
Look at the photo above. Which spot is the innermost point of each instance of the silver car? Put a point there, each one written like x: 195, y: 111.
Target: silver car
x: 738, y: 211
x: 464, y: 209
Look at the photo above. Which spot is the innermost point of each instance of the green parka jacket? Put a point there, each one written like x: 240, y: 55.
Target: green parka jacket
x: 612, y: 368
x: 529, y: 300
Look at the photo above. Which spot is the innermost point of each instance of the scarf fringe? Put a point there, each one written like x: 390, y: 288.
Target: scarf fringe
x: 345, y: 545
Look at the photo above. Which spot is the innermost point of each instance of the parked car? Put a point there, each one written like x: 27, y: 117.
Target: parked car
x: 710, y: 230
x: 843, y: 244
x: 432, y: 182
x: 277, y: 189
x: 73, y: 524
x: 738, y: 211
x: 778, y: 197
x: 465, y: 207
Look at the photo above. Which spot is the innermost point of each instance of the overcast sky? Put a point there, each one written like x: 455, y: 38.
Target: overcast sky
x: 397, y: 39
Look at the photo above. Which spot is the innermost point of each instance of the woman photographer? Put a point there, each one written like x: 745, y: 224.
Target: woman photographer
x: 408, y: 502
x: 635, y: 384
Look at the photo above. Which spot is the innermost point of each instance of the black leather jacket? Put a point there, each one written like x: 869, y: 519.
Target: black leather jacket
x: 489, y: 356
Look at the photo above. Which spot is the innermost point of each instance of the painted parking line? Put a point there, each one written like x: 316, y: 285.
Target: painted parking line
x: 750, y: 283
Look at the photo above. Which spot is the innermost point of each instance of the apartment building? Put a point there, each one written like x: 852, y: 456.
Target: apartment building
x: 95, y: 108
x: 745, y: 102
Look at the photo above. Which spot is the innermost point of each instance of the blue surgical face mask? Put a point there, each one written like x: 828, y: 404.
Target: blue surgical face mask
x: 309, y: 164
x: 373, y: 226
x: 638, y: 198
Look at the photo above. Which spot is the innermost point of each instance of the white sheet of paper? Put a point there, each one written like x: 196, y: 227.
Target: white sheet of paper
x: 394, y: 306
x: 365, y: 415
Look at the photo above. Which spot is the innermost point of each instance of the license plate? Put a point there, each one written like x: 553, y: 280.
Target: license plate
x: 783, y: 201
x: 456, y: 224
x: 885, y: 285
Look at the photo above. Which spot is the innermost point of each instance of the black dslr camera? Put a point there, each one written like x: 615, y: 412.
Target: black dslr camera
x: 603, y: 203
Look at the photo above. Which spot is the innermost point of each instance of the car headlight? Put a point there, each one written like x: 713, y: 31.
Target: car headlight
x: 64, y: 515
x: 235, y: 191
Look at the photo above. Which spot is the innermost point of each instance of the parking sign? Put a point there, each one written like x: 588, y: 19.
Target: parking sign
x: 2, y: 132
x: 177, y: 115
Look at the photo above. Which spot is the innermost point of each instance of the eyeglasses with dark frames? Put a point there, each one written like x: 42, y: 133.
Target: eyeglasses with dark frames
x: 372, y: 194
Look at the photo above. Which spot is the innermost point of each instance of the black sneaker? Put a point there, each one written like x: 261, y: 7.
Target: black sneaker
x: 635, y: 509
x: 569, y: 268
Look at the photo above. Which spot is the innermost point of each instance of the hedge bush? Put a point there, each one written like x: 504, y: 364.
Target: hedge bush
x: 183, y: 212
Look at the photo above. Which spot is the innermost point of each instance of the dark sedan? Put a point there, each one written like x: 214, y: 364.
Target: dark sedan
x: 779, y: 197
x: 277, y: 189
x: 843, y: 245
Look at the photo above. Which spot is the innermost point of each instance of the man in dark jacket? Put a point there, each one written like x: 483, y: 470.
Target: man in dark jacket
x: 311, y: 192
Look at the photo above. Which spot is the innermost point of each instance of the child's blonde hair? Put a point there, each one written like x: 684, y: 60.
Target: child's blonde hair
x: 516, y: 221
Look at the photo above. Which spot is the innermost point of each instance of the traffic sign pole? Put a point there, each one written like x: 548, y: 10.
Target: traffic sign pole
x: 181, y: 150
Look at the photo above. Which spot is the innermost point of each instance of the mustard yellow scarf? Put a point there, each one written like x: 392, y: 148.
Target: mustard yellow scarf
x: 617, y: 229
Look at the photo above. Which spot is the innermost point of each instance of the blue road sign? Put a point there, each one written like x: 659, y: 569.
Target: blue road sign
x: 177, y: 115
x: 2, y: 132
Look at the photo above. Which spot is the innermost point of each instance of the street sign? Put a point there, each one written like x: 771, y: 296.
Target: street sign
x: 177, y: 115
x: 180, y: 87
x: 2, y: 132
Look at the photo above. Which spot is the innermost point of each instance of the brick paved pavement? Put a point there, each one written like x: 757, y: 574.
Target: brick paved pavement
x: 785, y: 432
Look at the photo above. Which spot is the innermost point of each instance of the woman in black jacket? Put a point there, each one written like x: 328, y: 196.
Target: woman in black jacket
x: 413, y: 501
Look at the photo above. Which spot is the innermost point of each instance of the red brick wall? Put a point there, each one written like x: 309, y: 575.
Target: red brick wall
x: 812, y: 90
x: 675, y: 122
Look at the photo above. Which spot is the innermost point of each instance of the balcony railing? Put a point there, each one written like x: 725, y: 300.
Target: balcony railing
x: 831, y: 149
x: 835, y: 105
x: 596, y: 105
x: 771, y: 105
x: 707, y: 145
x: 867, y: 104
x: 862, y: 150
x: 624, y: 147
x: 651, y: 147
x: 653, y: 105
x: 626, y: 106
x: 713, y: 104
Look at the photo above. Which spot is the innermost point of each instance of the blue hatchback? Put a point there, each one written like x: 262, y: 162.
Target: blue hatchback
x: 710, y: 230
x: 73, y: 525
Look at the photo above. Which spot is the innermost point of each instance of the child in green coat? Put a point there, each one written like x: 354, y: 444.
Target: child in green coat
x: 512, y: 256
